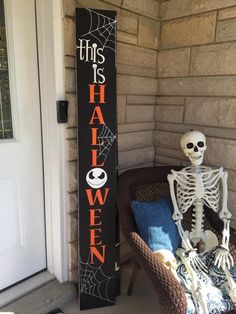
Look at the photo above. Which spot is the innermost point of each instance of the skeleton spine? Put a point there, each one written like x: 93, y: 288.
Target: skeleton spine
x: 198, y: 220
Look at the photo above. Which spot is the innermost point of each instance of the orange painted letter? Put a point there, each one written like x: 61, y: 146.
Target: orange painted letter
x: 101, y: 93
x: 100, y: 256
x: 93, y: 218
x: 97, y: 115
x: 97, y: 197
x: 94, y: 234
x: 95, y: 158
x: 94, y: 136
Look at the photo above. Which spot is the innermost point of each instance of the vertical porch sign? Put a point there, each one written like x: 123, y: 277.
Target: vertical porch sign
x: 96, y: 90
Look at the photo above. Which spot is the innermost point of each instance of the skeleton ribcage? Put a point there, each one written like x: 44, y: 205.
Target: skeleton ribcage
x: 204, y: 186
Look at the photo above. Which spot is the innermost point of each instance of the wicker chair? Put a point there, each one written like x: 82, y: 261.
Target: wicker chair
x: 149, y: 184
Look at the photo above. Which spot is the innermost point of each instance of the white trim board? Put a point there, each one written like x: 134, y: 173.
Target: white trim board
x: 51, y: 75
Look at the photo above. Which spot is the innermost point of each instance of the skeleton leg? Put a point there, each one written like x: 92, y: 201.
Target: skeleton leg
x: 231, y: 286
x: 196, y: 286
x: 211, y: 241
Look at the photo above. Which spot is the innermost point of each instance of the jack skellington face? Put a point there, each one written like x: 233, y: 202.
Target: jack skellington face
x: 193, y: 144
x: 96, y: 178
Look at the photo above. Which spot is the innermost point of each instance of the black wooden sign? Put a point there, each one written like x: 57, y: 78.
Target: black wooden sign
x: 96, y: 90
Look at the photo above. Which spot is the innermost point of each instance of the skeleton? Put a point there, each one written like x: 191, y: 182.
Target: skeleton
x: 168, y: 259
x: 197, y: 186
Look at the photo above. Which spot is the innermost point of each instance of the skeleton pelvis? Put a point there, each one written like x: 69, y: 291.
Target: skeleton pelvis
x: 205, y: 243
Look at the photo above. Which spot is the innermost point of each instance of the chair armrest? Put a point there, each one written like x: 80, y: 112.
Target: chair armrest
x: 171, y: 294
x: 233, y: 236
x: 232, y: 244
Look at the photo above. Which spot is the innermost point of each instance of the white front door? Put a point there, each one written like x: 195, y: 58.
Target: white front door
x: 22, y: 226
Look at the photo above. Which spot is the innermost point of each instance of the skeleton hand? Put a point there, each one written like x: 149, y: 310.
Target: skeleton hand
x: 223, y: 258
x: 231, y: 287
x: 192, y: 259
x: 195, y: 261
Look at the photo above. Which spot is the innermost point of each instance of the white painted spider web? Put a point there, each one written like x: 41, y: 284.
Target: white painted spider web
x: 102, y: 28
x: 105, y: 140
x: 94, y: 281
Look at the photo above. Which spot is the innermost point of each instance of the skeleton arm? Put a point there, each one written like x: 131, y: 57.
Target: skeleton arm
x: 223, y: 257
x: 225, y: 214
x: 177, y: 216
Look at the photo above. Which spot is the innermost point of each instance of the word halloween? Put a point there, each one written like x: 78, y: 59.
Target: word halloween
x: 96, y: 198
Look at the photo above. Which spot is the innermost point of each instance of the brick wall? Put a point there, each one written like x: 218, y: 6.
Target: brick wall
x: 196, y: 73
x: 138, y: 41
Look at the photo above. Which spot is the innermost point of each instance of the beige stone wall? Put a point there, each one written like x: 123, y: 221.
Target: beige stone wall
x: 196, y: 73
x: 138, y: 41
x: 183, y: 79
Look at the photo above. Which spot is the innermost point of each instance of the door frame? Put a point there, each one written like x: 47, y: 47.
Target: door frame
x: 49, y: 17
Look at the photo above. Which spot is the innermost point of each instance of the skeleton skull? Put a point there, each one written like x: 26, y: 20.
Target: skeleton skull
x: 193, y: 144
x: 168, y: 259
x: 96, y: 178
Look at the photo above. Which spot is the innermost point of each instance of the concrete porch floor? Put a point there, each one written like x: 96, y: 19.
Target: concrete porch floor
x: 143, y: 300
x: 64, y: 296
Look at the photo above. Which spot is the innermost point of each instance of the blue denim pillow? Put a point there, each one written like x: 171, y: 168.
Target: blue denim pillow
x: 155, y: 224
